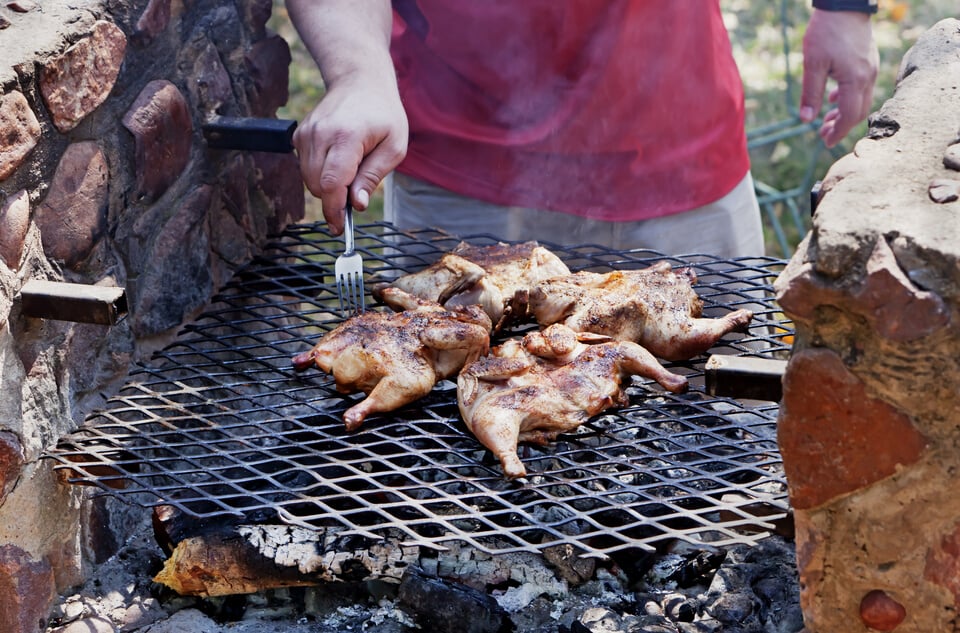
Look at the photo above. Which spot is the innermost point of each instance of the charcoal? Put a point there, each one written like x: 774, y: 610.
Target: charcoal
x: 680, y: 608
x: 442, y: 606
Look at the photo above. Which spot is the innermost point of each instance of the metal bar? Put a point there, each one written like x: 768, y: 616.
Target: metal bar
x: 744, y: 377
x: 250, y: 134
x: 81, y: 303
x: 220, y: 425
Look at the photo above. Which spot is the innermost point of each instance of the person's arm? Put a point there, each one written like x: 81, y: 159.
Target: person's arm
x: 839, y: 45
x: 358, y: 132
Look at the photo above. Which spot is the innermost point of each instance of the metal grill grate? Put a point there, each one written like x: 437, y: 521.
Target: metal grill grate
x: 219, y: 424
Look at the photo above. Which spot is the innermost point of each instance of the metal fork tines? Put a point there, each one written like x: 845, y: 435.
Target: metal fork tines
x: 349, y: 271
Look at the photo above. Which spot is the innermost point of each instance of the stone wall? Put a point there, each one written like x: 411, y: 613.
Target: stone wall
x: 870, y: 419
x: 105, y: 179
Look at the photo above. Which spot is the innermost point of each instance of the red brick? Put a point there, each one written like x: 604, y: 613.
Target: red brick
x: 153, y: 21
x: 14, y: 223
x: 268, y: 63
x: 835, y: 438
x: 880, y: 612
x: 27, y: 591
x: 885, y: 297
x: 73, y: 216
x: 162, y: 128
x: 19, y: 131
x: 211, y: 88
x: 943, y: 564
x: 75, y: 83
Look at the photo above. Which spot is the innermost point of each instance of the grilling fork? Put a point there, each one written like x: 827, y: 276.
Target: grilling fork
x: 349, y: 271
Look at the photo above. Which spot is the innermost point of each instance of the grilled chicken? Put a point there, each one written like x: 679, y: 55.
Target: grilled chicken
x: 549, y: 382
x: 497, y: 277
x: 398, y: 357
x: 656, y: 307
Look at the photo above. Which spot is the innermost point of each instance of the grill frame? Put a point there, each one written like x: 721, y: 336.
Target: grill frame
x: 219, y: 425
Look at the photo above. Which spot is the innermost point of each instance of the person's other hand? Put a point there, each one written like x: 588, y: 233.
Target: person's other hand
x: 838, y: 45
x: 349, y: 142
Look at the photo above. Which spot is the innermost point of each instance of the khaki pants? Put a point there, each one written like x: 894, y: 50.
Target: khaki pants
x: 729, y: 227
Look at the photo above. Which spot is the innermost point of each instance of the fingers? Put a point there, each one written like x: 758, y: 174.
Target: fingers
x: 854, y: 100
x: 373, y: 169
x: 838, y: 45
x: 815, y: 73
x: 347, y: 154
x: 327, y: 170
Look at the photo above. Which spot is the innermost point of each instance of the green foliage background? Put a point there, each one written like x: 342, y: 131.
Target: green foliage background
x: 767, y: 39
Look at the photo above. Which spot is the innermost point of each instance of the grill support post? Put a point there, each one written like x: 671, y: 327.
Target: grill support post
x: 870, y: 417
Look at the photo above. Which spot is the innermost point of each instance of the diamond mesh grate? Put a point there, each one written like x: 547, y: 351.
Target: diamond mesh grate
x: 218, y: 424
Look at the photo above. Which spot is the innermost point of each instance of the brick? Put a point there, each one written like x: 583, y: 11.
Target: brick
x: 268, y: 62
x: 178, y: 259
x: 153, y: 21
x: 19, y: 131
x: 27, y: 591
x: 211, y: 88
x: 811, y: 562
x: 11, y: 462
x: 885, y: 297
x: 162, y: 128
x: 257, y: 13
x: 942, y: 566
x: 834, y: 436
x: 72, y: 218
x: 281, y: 183
x: 14, y: 224
x: 944, y: 190
x: 23, y: 6
x: 76, y: 82
x: 880, y: 612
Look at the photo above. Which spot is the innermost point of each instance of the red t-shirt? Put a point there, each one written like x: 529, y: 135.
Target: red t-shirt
x: 612, y: 109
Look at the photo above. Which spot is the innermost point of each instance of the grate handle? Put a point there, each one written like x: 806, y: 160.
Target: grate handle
x: 250, y: 134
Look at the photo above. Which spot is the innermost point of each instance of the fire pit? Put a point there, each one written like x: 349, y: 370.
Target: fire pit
x: 219, y: 425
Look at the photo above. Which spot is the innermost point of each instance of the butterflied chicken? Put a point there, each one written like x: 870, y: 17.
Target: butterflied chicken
x: 498, y: 277
x: 549, y: 382
x: 398, y: 357
x: 656, y: 307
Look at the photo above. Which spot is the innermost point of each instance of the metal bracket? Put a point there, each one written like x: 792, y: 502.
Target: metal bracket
x: 81, y: 303
x: 250, y: 134
x: 744, y: 377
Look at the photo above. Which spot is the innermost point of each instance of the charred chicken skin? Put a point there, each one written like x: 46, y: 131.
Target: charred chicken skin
x: 398, y: 357
x: 498, y: 277
x: 549, y: 382
x: 656, y: 307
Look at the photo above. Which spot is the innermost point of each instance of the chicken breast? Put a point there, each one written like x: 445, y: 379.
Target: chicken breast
x: 398, y: 357
x: 656, y: 307
x: 549, y: 382
x: 498, y: 277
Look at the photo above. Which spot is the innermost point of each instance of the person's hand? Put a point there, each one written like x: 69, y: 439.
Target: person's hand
x: 350, y: 141
x: 838, y: 45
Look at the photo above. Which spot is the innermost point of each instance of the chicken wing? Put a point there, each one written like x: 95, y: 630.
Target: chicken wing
x: 656, y: 307
x: 497, y: 277
x: 550, y: 382
x: 398, y: 357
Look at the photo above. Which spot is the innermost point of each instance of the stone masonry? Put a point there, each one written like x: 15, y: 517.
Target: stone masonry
x: 105, y: 179
x: 869, y: 425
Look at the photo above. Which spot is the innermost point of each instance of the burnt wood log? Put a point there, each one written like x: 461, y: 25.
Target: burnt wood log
x: 224, y: 557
